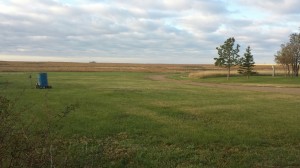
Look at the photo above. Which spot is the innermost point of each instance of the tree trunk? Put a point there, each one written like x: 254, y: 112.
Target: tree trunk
x: 293, y: 70
x: 285, y: 70
x: 228, y: 73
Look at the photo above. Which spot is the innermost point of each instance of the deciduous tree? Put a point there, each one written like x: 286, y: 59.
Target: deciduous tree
x: 284, y: 58
x: 289, y: 55
x: 228, y: 55
x: 295, y: 52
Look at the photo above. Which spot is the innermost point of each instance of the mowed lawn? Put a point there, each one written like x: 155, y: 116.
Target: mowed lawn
x: 166, y: 124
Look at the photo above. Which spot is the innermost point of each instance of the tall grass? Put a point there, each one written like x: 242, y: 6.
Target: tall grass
x: 222, y: 73
x: 211, y: 73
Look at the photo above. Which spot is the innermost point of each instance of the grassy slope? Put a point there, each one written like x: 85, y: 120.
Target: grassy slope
x: 169, y: 124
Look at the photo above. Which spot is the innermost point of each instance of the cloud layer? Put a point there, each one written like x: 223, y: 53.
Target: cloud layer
x: 165, y: 31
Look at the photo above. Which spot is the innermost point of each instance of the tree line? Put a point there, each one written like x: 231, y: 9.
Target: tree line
x: 289, y: 55
x: 229, y: 57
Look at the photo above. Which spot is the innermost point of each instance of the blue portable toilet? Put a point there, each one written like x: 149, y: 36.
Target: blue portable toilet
x: 42, y: 80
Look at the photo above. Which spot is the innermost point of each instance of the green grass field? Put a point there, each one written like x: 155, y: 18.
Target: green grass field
x: 168, y: 124
x: 277, y: 80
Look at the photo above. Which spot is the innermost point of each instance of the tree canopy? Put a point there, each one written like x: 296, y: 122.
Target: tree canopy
x: 289, y: 55
x: 228, y: 55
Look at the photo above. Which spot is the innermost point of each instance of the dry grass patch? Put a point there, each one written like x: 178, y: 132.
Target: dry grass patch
x: 11, y: 66
x: 265, y: 70
x: 205, y: 74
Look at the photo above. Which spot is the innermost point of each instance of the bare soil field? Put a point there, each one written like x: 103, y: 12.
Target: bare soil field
x: 11, y: 66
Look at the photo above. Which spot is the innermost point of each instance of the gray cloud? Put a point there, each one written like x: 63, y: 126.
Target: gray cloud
x: 275, y: 6
x: 177, y: 31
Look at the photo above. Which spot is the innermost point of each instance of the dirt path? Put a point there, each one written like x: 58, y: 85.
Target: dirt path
x: 294, y: 91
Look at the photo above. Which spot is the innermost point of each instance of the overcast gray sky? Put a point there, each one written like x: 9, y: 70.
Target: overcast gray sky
x: 142, y: 31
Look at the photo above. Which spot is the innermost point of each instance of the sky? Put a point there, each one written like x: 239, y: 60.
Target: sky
x: 143, y: 31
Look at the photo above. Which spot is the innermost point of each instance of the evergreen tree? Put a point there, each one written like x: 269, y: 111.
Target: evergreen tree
x: 228, y: 56
x: 246, y: 63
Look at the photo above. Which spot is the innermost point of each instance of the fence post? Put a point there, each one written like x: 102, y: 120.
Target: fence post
x: 273, y: 74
